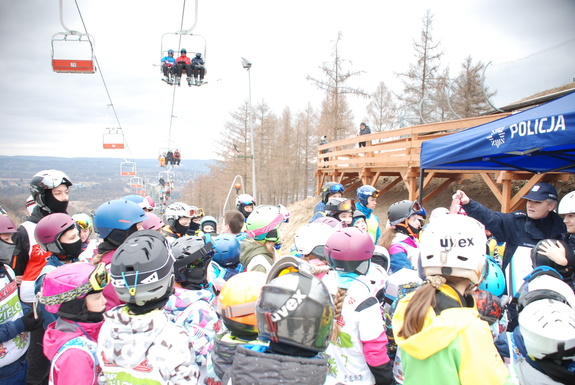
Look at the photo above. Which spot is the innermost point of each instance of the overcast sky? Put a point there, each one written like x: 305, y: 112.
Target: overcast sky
x: 45, y: 113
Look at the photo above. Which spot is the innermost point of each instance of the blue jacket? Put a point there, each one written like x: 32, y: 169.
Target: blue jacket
x: 318, y: 211
x: 516, y: 229
x: 197, y: 61
x: 372, y: 221
x: 168, y: 60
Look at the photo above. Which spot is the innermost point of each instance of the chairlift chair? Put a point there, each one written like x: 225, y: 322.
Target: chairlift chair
x: 136, y: 182
x: 113, y: 139
x: 73, y: 52
x: 127, y: 168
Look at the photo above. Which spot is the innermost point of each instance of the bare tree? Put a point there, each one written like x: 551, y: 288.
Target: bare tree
x: 467, y: 98
x: 419, y: 81
x: 382, y: 110
x: 336, y: 118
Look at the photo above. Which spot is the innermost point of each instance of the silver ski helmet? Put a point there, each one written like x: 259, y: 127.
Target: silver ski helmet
x: 295, y: 308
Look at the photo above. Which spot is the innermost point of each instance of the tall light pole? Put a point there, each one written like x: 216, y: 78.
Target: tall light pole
x: 247, y: 65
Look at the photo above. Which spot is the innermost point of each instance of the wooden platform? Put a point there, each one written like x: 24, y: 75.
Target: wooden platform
x: 394, y: 155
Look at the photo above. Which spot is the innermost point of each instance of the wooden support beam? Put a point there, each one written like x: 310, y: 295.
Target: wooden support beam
x: 439, y: 189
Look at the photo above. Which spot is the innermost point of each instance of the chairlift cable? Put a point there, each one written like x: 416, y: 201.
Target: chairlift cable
x: 111, y: 104
x: 174, y: 90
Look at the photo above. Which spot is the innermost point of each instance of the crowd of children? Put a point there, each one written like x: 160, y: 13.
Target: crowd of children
x: 129, y: 297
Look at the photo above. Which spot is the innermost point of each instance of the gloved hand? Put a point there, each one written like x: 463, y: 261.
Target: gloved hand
x: 31, y: 323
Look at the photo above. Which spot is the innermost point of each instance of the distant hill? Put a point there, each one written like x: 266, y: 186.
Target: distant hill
x: 95, y: 180
x: 14, y: 167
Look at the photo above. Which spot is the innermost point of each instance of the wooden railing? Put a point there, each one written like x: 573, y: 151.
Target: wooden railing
x: 395, y: 155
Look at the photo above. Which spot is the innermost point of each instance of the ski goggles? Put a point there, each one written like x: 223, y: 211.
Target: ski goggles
x: 99, y: 278
x: 336, y: 188
x: 416, y: 208
x: 84, y: 225
x: 347, y: 205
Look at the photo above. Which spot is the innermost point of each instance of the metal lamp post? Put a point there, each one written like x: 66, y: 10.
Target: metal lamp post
x: 247, y: 65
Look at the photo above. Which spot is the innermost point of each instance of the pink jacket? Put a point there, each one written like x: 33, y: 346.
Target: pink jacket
x: 73, y: 366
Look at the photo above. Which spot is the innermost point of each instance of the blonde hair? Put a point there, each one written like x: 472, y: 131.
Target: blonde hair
x: 338, y: 302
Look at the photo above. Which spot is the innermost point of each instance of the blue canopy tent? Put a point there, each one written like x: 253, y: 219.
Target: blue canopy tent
x: 538, y: 140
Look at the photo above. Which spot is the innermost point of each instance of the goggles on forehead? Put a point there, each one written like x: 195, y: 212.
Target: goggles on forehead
x: 347, y: 205
x: 375, y: 193
x: 99, y: 278
x: 83, y: 225
x: 416, y: 208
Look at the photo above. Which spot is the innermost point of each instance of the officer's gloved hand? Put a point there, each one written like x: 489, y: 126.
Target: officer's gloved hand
x: 31, y: 323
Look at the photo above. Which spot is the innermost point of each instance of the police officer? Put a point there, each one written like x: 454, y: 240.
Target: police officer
x: 520, y: 228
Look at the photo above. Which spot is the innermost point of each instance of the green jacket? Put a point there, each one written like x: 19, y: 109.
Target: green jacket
x: 255, y: 256
x: 454, y: 347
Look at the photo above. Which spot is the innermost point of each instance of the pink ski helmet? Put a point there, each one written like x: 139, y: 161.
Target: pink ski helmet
x: 71, y: 281
x: 349, y: 250
x: 152, y: 222
x: 50, y: 228
x: 6, y: 225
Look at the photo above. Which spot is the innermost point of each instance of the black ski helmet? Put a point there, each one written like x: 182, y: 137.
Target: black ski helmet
x: 295, y: 307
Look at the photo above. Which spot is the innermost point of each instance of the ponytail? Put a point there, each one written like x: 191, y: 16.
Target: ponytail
x: 419, y: 305
x: 339, y: 298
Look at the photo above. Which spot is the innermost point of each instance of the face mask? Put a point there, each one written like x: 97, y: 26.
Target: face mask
x: 180, y: 229
x: 72, y: 250
x: 54, y: 204
x: 6, y: 252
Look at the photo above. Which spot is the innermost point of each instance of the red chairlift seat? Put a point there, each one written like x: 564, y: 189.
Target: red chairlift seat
x: 113, y: 139
x: 77, y: 54
x: 127, y: 168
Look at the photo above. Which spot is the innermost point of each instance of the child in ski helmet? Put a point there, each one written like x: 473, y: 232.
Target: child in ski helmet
x: 366, y: 202
x: 259, y: 252
x: 226, y: 262
x: 49, y: 189
x: 153, y: 222
x: 18, y: 319
x: 198, y: 214
x: 209, y: 224
x: 74, y: 293
x: 245, y: 204
x: 192, y: 305
x: 329, y: 190
x: 137, y: 339
x: 358, y: 318
x: 7, y: 246
x: 341, y: 209
x: 453, y: 257
x: 402, y: 237
x: 85, y: 226
x: 178, y: 218
x: 295, y: 314
x: 114, y: 222
x: 359, y: 221
x: 236, y: 305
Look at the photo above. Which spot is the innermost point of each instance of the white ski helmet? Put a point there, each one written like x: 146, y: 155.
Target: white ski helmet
x: 567, y: 204
x: 311, y: 239
x: 548, y: 329
x: 178, y: 210
x: 545, y: 286
x: 454, y: 245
